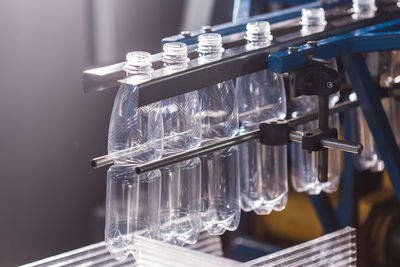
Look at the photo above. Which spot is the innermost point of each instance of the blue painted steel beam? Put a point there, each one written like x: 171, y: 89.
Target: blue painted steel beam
x: 363, y: 40
x: 325, y: 211
x: 376, y: 118
x: 347, y: 209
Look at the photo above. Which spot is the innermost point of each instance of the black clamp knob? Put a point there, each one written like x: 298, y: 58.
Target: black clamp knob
x: 311, y: 140
x: 317, y: 79
x: 275, y: 132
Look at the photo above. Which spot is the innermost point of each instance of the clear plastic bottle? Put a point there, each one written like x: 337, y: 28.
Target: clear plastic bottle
x: 363, y: 9
x: 304, y: 170
x: 263, y: 169
x: 220, y: 179
x: 135, y: 136
x: 132, y: 208
x: 180, y: 199
x: 312, y: 20
x: 369, y: 158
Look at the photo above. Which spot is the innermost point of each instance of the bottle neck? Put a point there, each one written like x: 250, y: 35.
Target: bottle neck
x: 175, y: 53
x: 313, y: 17
x: 210, y: 44
x: 259, y: 33
x: 138, y: 63
x: 364, y: 6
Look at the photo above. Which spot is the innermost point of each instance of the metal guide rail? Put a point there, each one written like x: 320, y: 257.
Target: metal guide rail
x: 238, y: 59
x: 294, y: 136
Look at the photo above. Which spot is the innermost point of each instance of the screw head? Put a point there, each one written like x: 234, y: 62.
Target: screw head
x: 293, y: 49
x: 329, y: 84
x: 206, y: 29
x: 312, y: 43
x: 186, y: 34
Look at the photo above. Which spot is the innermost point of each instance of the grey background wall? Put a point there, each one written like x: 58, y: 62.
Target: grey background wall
x: 48, y: 129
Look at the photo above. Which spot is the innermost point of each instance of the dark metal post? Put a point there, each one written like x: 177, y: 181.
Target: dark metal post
x: 375, y: 116
x: 323, y: 124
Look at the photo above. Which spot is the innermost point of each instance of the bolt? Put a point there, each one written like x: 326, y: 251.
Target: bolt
x: 329, y: 84
x: 293, y: 49
x: 312, y: 43
x: 186, y: 34
x: 207, y: 28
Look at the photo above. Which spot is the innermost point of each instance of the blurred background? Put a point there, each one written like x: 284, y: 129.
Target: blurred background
x: 49, y: 129
x: 51, y: 200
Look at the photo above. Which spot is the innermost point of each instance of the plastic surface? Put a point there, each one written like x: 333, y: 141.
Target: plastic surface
x: 312, y: 20
x: 369, y: 158
x: 180, y: 198
x: 334, y: 249
x: 135, y: 130
x: 133, y: 201
x: 304, y: 171
x: 220, y: 208
x: 263, y: 169
x: 132, y: 208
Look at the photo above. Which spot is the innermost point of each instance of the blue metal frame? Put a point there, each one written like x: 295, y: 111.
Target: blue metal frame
x: 272, y: 17
x: 380, y: 37
x: 369, y: 39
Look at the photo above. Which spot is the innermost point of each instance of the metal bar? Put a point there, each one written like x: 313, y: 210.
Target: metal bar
x: 347, y: 209
x: 362, y: 40
x: 375, y: 116
x: 108, y: 159
x: 154, y: 165
x: 233, y: 64
x: 323, y: 124
x: 331, y: 143
x: 313, y: 116
x: 325, y: 212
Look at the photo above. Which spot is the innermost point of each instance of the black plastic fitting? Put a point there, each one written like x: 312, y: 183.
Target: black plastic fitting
x: 317, y: 79
x: 311, y: 139
x: 275, y: 132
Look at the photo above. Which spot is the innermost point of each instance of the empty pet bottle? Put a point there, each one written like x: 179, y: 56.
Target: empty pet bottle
x: 304, y: 171
x: 220, y: 180
x: 363, y: 9
x: 135, y: 137
x: 312, y: 20
x: 180, y: 199
x: 261, y: 96
x: 369, y: 158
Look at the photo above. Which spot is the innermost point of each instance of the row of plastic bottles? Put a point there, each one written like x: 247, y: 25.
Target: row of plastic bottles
x: 176, y: 203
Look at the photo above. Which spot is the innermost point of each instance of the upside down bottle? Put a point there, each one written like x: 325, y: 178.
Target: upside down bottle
x: 220, y: 207
x: 369, y: 159
x: 134, y: 137
x: 261, y: 96
x: 180, y: 198
x: 304, y: 170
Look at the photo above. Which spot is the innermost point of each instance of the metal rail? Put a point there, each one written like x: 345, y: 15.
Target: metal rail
x: 236, y: 61
x: 295, y: 137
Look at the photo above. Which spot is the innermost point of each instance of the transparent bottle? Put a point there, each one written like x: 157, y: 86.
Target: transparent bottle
x: 180, y: 198
x: 304, y: 170
x: 263, y: 169
x: 220, y: 180
x: 312, y: 20
x: 369, y: 158
x: 135, y: 136
x: 363, y: 9
x: 132, y: 208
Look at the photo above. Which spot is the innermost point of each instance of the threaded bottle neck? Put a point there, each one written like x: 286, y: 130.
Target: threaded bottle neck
x: 138, y: 62
x: 175, y: 53
x: 364, y: 6
x: 313, y: 17
x: 258, y: 32
x: 210, y: 44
